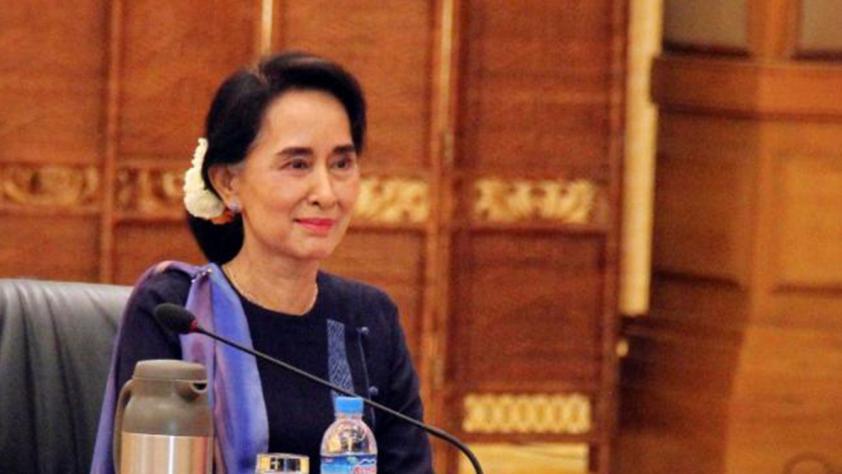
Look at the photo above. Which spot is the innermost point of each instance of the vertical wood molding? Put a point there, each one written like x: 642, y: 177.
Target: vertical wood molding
x: 607, y: 400
x: 112, y: 131
x: 266, y: 29
x: 639, y: 171
x: 436, y: 295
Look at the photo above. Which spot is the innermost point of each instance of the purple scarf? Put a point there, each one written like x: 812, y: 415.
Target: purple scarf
x: 239, y: 413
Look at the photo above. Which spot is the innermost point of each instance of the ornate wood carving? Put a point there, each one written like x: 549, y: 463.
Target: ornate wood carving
x: 393, y: 200
x: 149, y: 191
x: 519, y: 200
x: 527, y: 413
x: 49, y: 185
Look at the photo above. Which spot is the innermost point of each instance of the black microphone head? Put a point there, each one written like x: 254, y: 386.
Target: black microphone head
x: 175, y: 318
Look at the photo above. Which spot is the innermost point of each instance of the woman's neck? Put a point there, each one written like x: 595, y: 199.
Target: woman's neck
x: 280, y: 284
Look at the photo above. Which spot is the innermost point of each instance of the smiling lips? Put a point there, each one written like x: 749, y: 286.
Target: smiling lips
x: 318, y: 226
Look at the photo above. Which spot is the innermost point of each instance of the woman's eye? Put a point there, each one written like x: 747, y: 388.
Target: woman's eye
x: 345, y: 162
x: 299, y: 164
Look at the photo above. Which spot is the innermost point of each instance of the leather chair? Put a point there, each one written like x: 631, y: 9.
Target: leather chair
x: 56, y: 340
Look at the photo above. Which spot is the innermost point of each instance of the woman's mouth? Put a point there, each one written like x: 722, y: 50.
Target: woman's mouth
x: 320, y: 226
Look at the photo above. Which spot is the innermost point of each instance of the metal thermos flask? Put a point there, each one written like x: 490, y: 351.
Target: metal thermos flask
x: 163, y: 423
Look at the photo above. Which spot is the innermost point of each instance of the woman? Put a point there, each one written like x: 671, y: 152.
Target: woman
x: 270, y: 195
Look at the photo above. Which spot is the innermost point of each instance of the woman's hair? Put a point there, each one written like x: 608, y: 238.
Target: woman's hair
x: 237, y: 113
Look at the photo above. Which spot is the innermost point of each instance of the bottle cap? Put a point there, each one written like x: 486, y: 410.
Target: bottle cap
x: 352, y: 405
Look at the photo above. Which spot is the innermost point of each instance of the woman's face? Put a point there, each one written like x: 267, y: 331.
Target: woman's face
x: 298, y: 185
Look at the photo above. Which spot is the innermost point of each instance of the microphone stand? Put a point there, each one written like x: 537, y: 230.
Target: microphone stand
x: 429, y: 429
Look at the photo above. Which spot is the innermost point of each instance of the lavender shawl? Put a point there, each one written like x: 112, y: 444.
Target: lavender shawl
x: 240, y: 423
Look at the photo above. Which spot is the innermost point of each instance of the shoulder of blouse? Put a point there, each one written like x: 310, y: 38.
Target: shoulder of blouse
x: 365, y: 304
x: 171, y: 286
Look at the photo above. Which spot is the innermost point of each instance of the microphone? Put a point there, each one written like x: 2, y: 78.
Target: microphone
x: 181, y: 321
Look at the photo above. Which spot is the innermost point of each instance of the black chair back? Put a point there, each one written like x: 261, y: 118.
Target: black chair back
x: 56, y: 340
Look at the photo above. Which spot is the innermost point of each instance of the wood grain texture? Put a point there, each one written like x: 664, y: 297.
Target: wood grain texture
x: 388, y: 46
x: 139, y: 245
x: 538, y: 107
x: 703, y: 198
x: 499, y: 311
x: 737, y: 88
x: 174, y: 55
x: 536, y: 86
x: 61, y: 247
x: 51, y: 81
x: 706, y: 25
x: 808, y: 193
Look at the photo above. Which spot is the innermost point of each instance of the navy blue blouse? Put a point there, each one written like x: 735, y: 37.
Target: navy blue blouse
x: 299, y: 410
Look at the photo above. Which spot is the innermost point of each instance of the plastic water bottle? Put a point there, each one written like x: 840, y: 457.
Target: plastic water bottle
x: 348, y: 445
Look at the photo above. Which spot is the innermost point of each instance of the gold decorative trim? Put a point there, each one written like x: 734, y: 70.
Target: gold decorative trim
x: 527, y: 413
x: 393, y: 200
x: 511, y: 201
x: 530, y: 458
x: 49, y: 185
x: 149, y: 191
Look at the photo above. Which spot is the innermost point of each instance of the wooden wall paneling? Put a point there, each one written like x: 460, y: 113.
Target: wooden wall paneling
x: 703, y: 197
x: 51, y: 81
x: 173, y: 59
x: 143, y: 243
x: 807, y: 246
x: 166, y: 63
x: 61, y: 246
x: 50, y: 86
x: 539, y: 133
x: 444, y: 99
x: 734, y: 370
x: 544, y: 334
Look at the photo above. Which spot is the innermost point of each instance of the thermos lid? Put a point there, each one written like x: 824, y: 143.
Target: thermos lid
x: 169, y: 369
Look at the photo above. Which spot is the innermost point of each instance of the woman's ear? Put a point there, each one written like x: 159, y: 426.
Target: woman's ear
x: 224, y: 180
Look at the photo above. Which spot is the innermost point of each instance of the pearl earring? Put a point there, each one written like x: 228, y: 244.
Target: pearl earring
x: 234, y: 207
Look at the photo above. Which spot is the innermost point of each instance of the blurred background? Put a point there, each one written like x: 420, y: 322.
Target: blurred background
x: 612, y: 227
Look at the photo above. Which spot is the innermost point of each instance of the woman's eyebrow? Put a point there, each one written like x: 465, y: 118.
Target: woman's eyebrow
x: 341, y: 149
x: 295, y: 151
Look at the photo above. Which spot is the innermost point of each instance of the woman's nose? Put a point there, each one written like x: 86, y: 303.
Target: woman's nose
x: 322, y: 193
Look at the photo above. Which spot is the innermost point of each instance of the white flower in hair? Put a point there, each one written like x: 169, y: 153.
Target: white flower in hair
x: 198, y: 199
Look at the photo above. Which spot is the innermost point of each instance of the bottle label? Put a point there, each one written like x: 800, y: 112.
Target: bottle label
x: 353, y: 464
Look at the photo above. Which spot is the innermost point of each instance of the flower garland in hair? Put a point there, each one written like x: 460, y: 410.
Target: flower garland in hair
x: 198, y: 199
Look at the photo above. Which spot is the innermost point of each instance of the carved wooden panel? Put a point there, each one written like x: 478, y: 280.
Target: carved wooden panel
x: 488, y: 203
x: 536, y: 86
x: 536, y: 170
x: 563, y: 298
